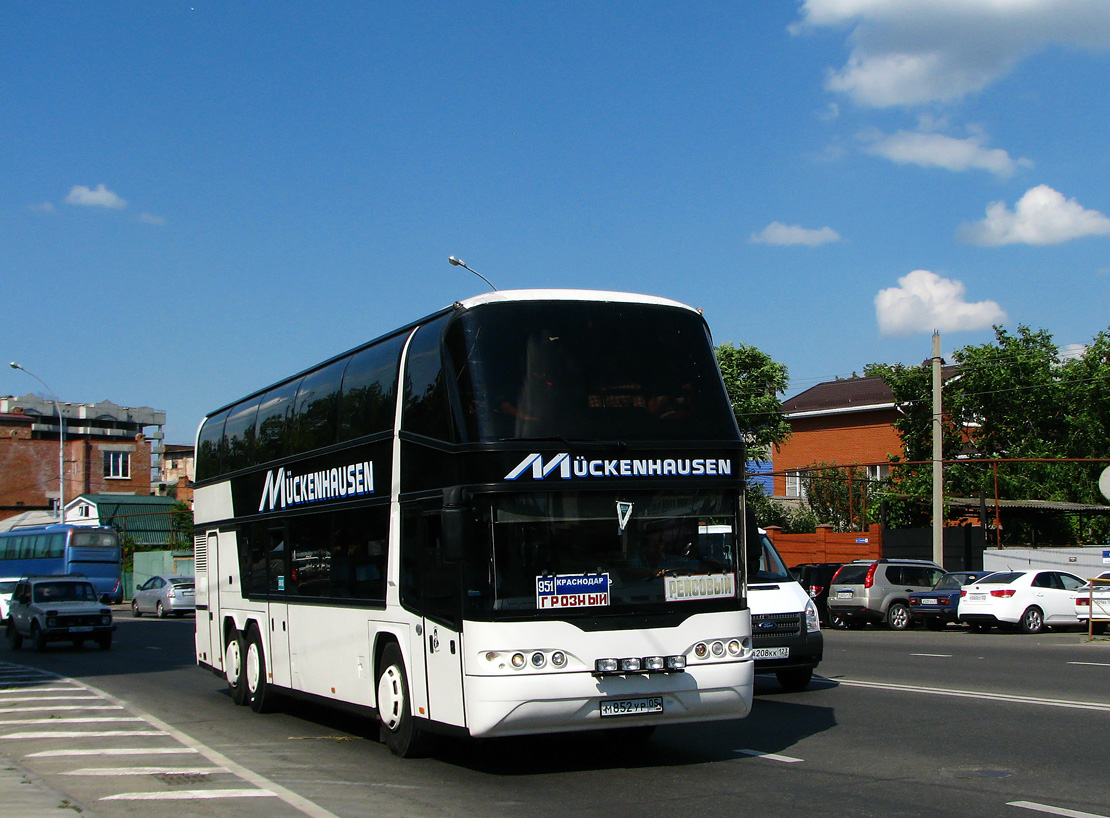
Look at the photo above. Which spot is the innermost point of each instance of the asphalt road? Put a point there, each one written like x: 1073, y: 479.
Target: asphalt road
x: 899, y: 724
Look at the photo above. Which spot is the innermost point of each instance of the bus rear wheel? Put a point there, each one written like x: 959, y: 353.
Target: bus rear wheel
x: 398, y: 728
x: 259, y: 693
x: 234, y: 652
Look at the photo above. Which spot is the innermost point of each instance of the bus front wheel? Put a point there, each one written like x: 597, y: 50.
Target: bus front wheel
x: 398, y: 728
x: 234, y: 652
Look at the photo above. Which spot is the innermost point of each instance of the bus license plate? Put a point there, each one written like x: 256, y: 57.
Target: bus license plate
x: 631, y: 707
x: 771, y: 653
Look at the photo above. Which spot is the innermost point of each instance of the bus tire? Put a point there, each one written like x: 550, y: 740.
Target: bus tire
x: 398, y: 728
x: 15, y: 638
x: 259, y: 693
x: 234, y: 656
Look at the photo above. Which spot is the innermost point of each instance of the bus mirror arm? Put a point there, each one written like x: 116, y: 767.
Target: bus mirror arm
x: 454, y: 523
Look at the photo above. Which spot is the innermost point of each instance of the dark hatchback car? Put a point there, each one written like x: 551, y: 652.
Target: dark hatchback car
x: 936, y: 608
x: 816, y: 577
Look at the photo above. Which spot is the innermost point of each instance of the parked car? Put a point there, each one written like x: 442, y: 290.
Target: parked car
x: 55, y: 608
x: 938, y: 607
x: 1093, y: 603
x: 879, y: 590
x: 816, y: 577
x: 1030, y: 600
x: 7, y: 585
x: 163, y: 595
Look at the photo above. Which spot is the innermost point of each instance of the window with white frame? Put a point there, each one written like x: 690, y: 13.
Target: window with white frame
x: 877, y: 473
x: 794, y: 485
x: 117, y: 465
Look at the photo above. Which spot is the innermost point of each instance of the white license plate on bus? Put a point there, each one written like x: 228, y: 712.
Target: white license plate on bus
x: 843, y: 594
x: 631, y: 707
x: 81, y: 629
x: 771, y: 653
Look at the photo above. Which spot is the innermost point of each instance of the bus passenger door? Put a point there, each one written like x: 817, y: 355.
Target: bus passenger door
x: 210, y: 648
x: 277, y: 610
x: 438, y: 584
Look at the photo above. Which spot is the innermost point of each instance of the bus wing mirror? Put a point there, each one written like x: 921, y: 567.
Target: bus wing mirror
x: 454, y: 532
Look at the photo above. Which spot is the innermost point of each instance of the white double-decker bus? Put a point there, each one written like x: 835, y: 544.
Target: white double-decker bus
x: 485, y: 524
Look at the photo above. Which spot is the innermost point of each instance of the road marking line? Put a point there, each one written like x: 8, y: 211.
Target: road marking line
x: 188, y: 795
x: 971, y: 694
x: 1091, y: 664
x: 298, y: 802
x: 109, y: 771
x: 772, y: 756
x: 73, y: 720
x: 934, y: 655
x: 55, y: 708
x: 114, y: 751
x: 81, y: 734
x: 1068, y: 813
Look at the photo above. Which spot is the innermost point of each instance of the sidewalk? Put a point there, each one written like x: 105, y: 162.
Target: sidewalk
x: 25, y: 795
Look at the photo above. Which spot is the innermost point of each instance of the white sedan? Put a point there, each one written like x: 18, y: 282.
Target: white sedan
x: 1094, y: 597
x: 1029, y: 599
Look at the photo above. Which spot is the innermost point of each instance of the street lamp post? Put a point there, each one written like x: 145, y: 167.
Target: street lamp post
x: 61, y: 442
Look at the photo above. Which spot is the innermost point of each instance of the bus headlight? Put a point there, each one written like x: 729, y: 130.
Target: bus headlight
x: 559, y: 659
x: 518, y: 660
x: 538, y: 659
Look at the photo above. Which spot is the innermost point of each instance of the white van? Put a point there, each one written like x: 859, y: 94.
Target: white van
x: 786, y: 630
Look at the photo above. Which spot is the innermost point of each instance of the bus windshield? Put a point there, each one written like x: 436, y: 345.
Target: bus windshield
x: 590, y: 554
x: 587, y: 371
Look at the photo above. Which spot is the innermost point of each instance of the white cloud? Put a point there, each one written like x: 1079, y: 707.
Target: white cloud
x: 779, y: 233
x: 934, y: 150
x: 911, y: 52
x: 42, y: 207
x: 150, y: 218
x: 101, y: 197
x: 1041, y: 216
x: 924, y: 302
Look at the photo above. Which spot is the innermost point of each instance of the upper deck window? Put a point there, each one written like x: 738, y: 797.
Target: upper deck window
x: 578, y: 370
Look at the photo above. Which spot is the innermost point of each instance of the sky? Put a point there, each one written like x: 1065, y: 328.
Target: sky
x: 198, y: 199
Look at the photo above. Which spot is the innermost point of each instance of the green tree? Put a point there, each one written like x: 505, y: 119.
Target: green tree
x: 754, y: 382
x: 1015, y: 398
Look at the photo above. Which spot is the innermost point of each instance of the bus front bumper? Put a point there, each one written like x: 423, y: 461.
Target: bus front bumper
x: 570, y: 702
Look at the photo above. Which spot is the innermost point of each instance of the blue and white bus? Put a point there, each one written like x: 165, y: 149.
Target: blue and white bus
x: 65, y: 549
x: 485, y: 523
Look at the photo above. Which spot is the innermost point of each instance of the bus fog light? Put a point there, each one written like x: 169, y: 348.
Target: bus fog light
x: 559, y: 659
x: 653, y: 663
x: 605, y: 666
x: 718, y: 648
x: 630, y: 664
x: 518, y: 660
x: 734, y: 647
x: 676, y: 662
x: 701, y: 650
x: 538, y: 659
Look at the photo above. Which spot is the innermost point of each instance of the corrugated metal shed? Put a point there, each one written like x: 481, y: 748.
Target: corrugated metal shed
x: 145, y: 519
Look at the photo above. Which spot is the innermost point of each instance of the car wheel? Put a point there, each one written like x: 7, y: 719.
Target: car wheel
x: 259, y: 693
x: 898, y: 616
x: 1032, y: 621
x: 38, y: 637
x: 398, y: 728
x: 15, y: 638
x: 835, y: 621
x: 160, y: 610
x: 794, y: 680
x: 135, y: 612
x: 234, y: 652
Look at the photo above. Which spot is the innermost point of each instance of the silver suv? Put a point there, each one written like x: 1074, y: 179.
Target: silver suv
x: 879, y: 590
x: 58, y: 608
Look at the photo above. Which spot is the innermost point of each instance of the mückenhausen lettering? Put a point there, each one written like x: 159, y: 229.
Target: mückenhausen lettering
x: 284, y: 489
x: 565, y: 467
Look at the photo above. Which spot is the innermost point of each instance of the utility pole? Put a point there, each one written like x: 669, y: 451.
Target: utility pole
x: 938, y: 457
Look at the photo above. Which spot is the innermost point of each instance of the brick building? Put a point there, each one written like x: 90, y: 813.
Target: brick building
x: 842, y: 422
x: 108, y: 449
x: 178, y: 472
